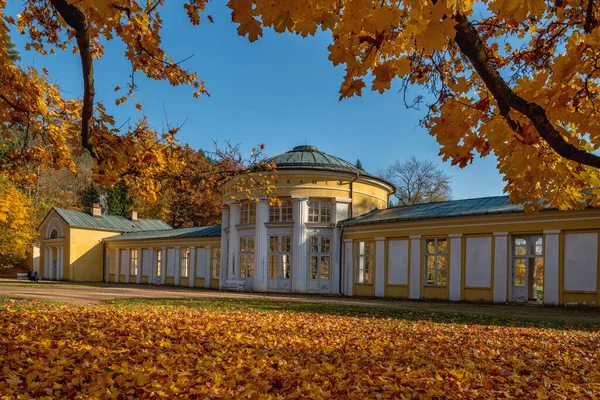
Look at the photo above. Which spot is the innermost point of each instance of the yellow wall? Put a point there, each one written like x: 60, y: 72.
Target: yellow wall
x: 64, y: 242
x: 479, y: 226
x: 87, y: 254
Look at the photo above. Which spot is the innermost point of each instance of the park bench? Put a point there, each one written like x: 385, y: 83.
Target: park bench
x: 238, y: 285
x: 22, y: 276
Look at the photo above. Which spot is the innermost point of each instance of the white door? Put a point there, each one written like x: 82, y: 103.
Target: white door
x: 527, y: 267
x: 319, y: 264
x: 280, y: 263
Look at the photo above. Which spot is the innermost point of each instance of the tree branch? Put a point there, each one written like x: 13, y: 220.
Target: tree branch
x: 14, y: 105
x: 473, y: 47
x: 590, y: 20
x: 76, y: 19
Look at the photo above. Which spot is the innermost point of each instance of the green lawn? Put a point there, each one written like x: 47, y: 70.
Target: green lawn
x: 556, y: 318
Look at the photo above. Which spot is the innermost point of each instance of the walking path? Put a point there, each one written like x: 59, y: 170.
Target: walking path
x: 85, y: 294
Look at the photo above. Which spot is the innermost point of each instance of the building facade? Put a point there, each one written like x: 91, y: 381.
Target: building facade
x: 333, y: 233
x: 294, y: 247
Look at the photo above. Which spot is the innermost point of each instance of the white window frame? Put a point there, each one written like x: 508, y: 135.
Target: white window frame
x: 529, y: 256
x: 133, y: 262
x: 323, y: 251
x: 365, y: 261
x: 436, y: 267
x: 215, y: 262
x: 246, y: 256
x: 184, y: 262
x: 281, y: 213
x: 248, y: 213
x: 283, y: 252
x: 319, y: 211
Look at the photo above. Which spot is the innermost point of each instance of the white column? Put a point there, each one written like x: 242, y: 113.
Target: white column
x: 454, y: 292
x: 152, y: 273
x: 106, y: 265
x: 140, y: 266
x: 177, y: 266
x: 117, y: 264
x: 299, y: 243
x: 163, y: 265
x: 415, y: 267
x: 380, y: 267
x: 224, y: 243
x: 261, y: 246
x: 45, y: 261
x: 234, y: 241
x: 54, y: 262
x: 551, y: 262
x: 208, y: 265
x: 192, y: 273
x: 61, y: 263
x: 341, y: 211
x: 128, y: 265
x: 348, y: 268
x: 500, y: 266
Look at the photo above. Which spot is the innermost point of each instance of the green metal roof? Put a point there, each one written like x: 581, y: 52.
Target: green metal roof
x: 80, y: 219
x: 452, y: 208
x: 181, y: 233
x: 308, y: 157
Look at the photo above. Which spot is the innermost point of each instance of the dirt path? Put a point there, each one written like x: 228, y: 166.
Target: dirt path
x: 85, y: 294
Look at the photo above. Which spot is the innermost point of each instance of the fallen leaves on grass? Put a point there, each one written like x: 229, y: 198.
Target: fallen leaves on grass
x: 168, y: 352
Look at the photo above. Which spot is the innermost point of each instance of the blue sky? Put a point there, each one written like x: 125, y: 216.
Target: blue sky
x: 281, y: 91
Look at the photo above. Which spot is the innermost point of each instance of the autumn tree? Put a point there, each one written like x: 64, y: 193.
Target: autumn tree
x: 188, y: 200
x: 514, y: 80
x: 418, y: 181
x: 53, y: 130
x: 16, y: 230
x: 510, y: 79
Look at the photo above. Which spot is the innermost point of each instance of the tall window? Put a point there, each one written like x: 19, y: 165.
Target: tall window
x: 112, y: 264
x: 280, y: 256
x: 133, y: 262
x: 184, y: 262
x: 365, y: 261
x: 158, y: 262
x: 248, y: 213
x: 319, y: 257
x: 215, y: 262
x: 436, y: 262
x: 246, y: 256
x: 281, y: 214
x: 319, y: 211
x: 528, y: 263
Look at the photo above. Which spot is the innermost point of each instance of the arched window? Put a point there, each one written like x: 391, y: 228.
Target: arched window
x: 54, y: 229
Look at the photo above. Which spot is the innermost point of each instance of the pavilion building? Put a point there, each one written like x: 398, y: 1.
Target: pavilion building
x: 333, y: 233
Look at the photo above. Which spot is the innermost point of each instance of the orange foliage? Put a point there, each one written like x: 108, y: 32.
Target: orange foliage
x: 161, y: 352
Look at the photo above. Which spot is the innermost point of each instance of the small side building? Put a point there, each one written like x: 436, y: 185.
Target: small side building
x: 183, y: 257
x: 71, y: 245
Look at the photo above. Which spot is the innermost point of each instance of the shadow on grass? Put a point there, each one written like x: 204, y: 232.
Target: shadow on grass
x: 368, y: 311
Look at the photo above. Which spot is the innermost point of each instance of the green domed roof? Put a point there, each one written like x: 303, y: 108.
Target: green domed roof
x: 308, y: 157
